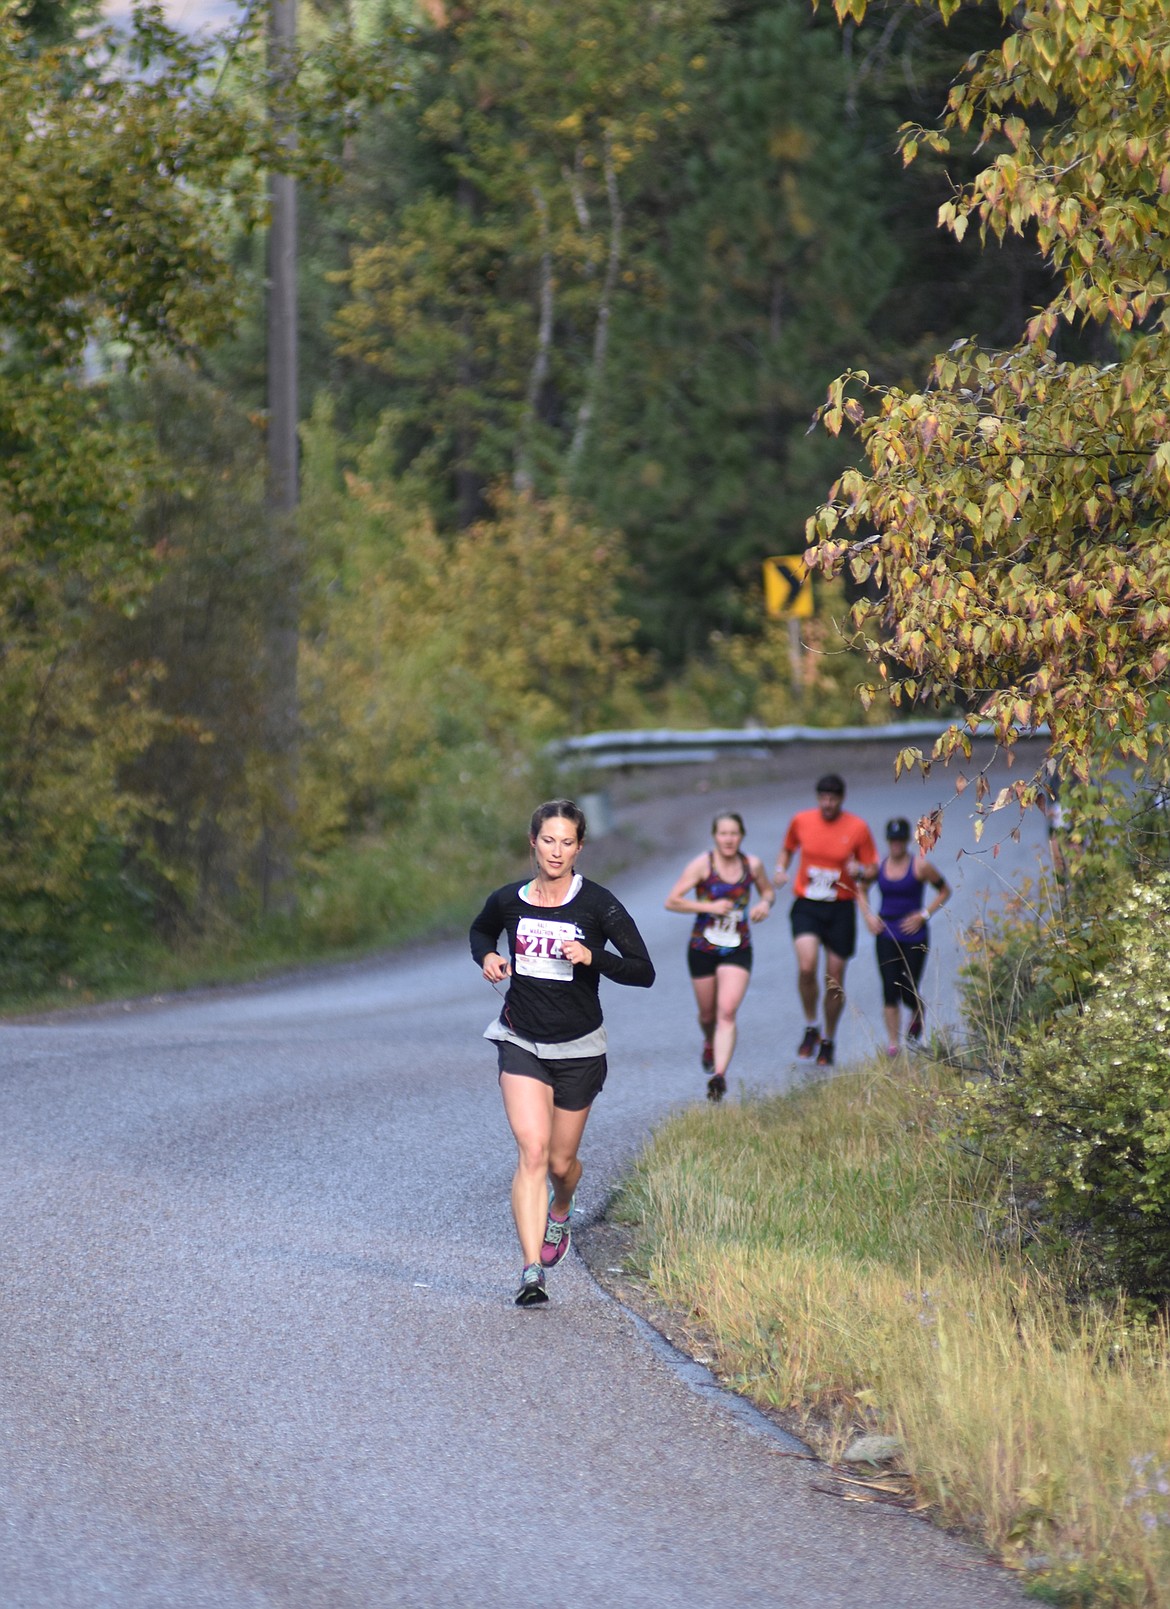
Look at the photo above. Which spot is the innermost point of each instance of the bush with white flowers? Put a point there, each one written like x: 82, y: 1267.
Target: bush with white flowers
x: 1081, y: 1112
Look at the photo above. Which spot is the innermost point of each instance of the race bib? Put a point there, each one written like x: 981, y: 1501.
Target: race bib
x: 538, y: 948
x: 822, y: 883
x: 723, y: 932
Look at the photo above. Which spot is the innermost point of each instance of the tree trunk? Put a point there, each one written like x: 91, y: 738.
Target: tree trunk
x: 522, y: 479
x: 601, y: 330
x: 283, y: 608
x: 469, y: 496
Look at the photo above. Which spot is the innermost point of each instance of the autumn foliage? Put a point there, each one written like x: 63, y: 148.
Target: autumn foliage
x: 1011, y: 520
x: 575, y: 284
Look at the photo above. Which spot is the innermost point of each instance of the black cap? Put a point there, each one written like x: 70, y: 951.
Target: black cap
x: 897, y: 830
x: 831, y: 784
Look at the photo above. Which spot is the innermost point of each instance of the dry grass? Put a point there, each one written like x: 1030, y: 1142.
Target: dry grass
x: 835, y: 1251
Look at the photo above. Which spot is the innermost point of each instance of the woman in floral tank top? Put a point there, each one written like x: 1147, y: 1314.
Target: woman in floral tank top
x: 716, y: 889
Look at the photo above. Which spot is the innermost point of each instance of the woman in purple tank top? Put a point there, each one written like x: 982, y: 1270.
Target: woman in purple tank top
x: 900, y: 928
x: 716, y: 889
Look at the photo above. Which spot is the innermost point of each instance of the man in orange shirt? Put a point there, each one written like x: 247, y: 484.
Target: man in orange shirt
x: 835, y: 849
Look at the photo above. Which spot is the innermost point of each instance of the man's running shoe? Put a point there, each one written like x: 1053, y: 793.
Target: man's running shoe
x: 808, y: 1045
x: 716, y: 1088
x: 914, y: 1031
x: 556, y: 1237
x: 708, y: 1057
x: 825, y: 1054
x: 532, y: 1291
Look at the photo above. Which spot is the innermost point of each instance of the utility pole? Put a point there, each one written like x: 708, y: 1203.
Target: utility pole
x: 282, y: 271
x: 282, y: 609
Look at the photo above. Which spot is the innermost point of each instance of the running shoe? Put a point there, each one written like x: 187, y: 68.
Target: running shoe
x: 892, y: 1051
x: 825, y: 1054
x: 556, y: 1237
x: 808, y: 1045
x: 914, y: 1031
x: 532, y: 1291
x: 716, y: 1088
x: 708, y: 1057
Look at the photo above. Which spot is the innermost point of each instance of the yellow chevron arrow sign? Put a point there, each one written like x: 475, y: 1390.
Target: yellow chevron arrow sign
x: 787, y: 588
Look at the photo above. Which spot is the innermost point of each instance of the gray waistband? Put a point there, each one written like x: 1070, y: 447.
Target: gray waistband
x: 591, y: 1044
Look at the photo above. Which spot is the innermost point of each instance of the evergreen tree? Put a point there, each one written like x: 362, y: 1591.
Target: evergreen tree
x: 763, y: 256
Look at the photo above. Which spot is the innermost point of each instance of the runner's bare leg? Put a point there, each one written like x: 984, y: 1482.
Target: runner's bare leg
x: 528, y: 1105
x: 893, y: 1016
x: 564, y: 1168
x: 705, y: 1000
x: 732, y: 985
x: 834, y: 992
x: 808, y: 951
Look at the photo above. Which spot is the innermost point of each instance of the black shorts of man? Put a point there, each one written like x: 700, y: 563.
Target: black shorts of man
x: 835, y: 849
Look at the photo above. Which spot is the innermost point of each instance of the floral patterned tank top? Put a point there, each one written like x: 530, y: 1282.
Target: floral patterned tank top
x: 731, y: 932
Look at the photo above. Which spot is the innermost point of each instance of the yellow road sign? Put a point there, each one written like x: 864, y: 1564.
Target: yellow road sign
x: 787, y: 588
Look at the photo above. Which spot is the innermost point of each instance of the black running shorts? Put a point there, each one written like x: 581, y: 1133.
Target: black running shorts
x: 833, y: 921
x: 705, y: 963
x: 900, y: 962
x: 574, y: 1080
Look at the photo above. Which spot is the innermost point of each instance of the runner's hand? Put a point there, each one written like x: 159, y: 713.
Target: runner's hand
x: 913, y: 923
x: 759, y: 910
x: 576, y: 952
x: 720, y: 907
x: 874, y: 924
x: 495, y: 968
x: 779, y: 877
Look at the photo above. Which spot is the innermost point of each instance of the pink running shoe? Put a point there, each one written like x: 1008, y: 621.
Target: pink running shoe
x: 557, y: 1236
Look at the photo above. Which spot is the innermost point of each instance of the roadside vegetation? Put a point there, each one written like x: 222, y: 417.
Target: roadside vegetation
x: 970, y: 1252
x: 967, y: 1250
x: 562, y: 329
x: 845, y: 1263
x: 573, y: 283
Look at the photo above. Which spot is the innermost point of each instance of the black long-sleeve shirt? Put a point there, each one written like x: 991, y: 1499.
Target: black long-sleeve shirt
x: 550, y: 1000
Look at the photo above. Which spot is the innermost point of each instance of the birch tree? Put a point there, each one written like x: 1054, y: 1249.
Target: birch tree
x: 487, y: 300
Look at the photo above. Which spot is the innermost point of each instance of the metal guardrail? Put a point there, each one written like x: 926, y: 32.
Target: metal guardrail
x: 600, y: 751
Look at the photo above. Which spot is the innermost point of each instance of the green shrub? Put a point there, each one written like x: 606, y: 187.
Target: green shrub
x: 1081, y: 1112
x: 1030, y: 957
x: 1001, y: 980
x: 1044, y: 946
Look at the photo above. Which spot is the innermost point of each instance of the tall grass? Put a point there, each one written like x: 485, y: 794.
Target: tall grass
x: 834, y: 1248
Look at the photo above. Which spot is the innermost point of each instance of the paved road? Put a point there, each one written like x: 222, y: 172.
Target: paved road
x: 257, y: 1347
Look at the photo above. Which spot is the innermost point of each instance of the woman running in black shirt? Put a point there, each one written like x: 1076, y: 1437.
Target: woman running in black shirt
x: 550, y: 1036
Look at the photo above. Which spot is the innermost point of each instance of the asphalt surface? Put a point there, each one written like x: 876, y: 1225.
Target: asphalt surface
x: 257, y: 1343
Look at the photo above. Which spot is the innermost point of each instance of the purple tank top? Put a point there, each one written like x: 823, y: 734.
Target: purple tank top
x: 900, y: 896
